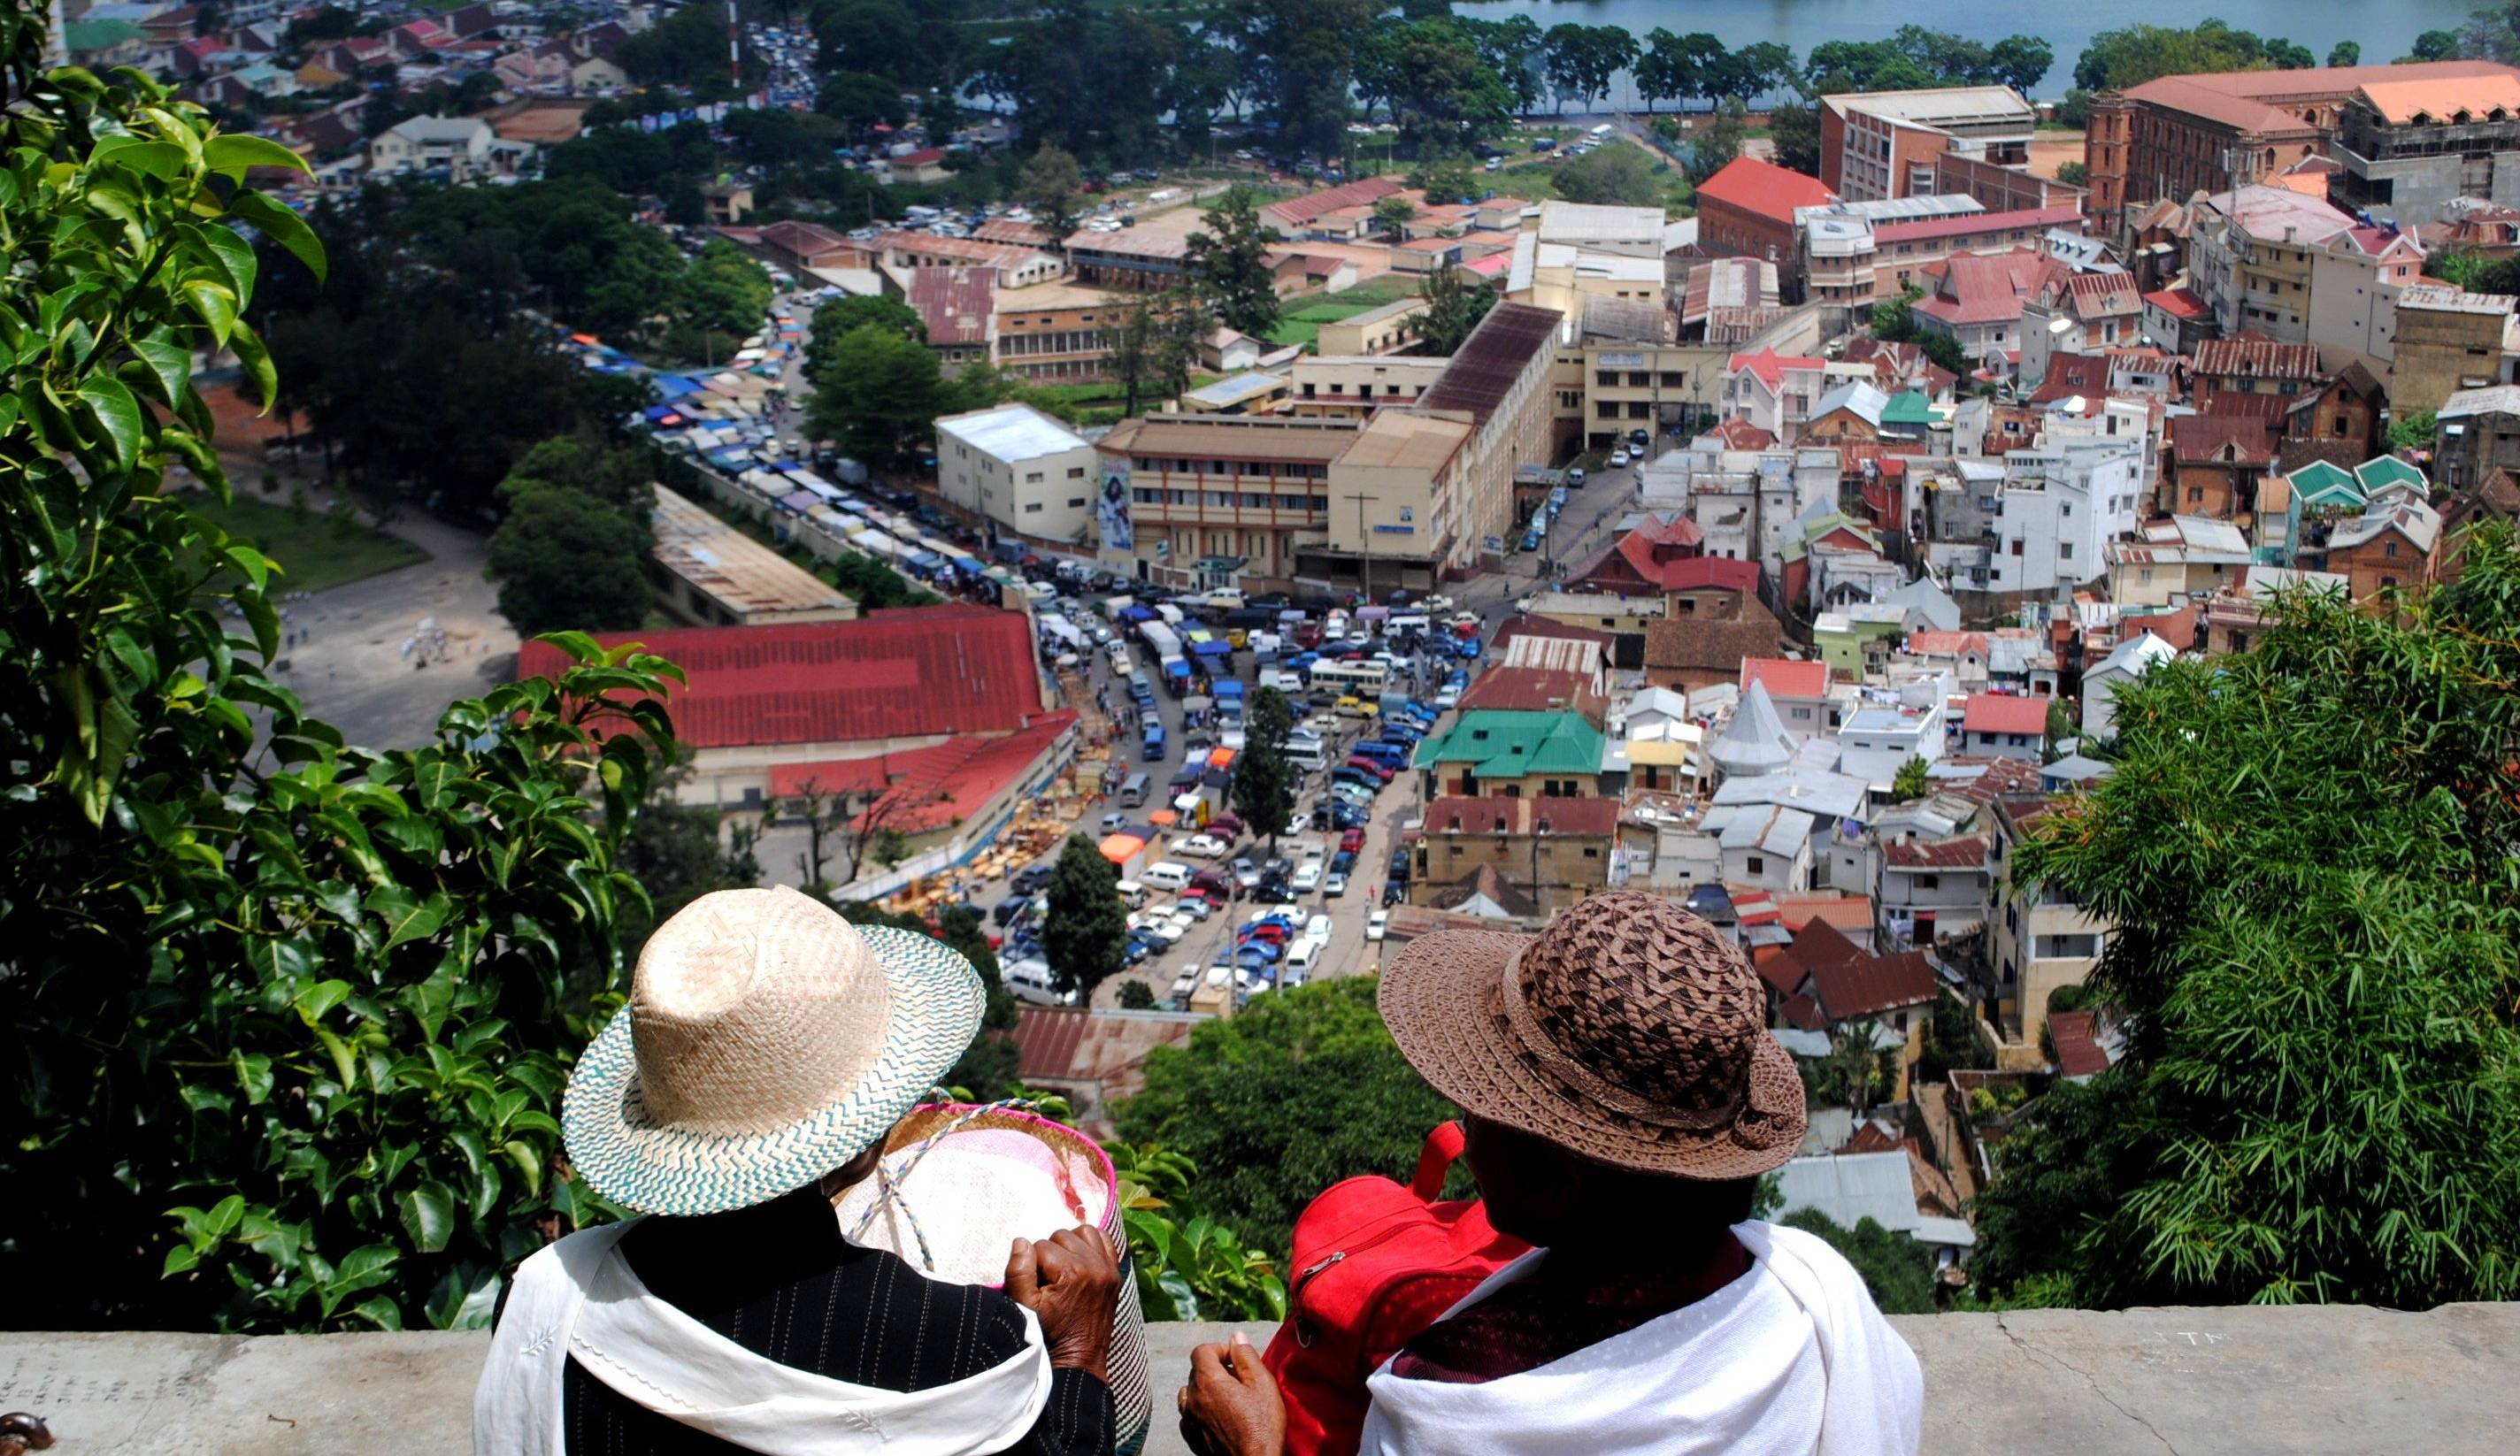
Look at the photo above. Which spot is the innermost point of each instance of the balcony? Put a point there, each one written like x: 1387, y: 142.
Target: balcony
x: 2138, y: 1382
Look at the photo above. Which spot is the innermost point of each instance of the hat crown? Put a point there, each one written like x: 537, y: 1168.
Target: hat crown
x: 1648, y: 998
x: 750, y: 1009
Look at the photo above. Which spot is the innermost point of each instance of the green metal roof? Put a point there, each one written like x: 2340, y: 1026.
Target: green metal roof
x: 1910, y: 408
x: 2388, y: 469
x: 1817, y: 526
x: 81, y: 37
x: 1497, y: 743
x: 2321, y: 483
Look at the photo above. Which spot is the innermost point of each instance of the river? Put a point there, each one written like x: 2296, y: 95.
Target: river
x: 2385, y: 32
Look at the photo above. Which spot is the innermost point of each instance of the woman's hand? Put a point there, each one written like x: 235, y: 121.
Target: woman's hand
x: 1071, y: 1280
x: 1231, y: 1406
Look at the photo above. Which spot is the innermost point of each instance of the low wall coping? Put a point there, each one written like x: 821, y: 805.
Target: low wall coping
x: 2194, y: 1381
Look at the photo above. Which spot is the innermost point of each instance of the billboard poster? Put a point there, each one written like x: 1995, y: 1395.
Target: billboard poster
x: 1111, y: 507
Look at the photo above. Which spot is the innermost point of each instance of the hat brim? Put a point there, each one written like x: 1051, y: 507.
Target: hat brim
x: 938, y: 1001
x: 1441, y: 997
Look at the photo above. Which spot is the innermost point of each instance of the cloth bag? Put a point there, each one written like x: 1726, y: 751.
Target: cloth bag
x: 958, y: 1183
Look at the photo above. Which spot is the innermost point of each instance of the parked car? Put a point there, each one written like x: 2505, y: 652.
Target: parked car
x: 1245, y: 874
x: 1619, y: 457
x: 1343, y: 863
x: 1351, y: 841
x: 1202, y: 847
x: 1381, y: 771
x: 1307, y: 877
x: 1010, y: 910
x: 1167, y: 874
x: 1030, y: 981
x: 1333, y: 884
x: 1036, y: 879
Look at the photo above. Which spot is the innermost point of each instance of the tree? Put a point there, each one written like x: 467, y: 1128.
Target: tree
x: 2415, y: 432
x: 1302, y: 1089
x: 1298, y: 58
x: 2020, y: 61
x: 724, y: 289
x: 1897, y: 1269
x: 2305, y: 855
x: 1442, y: 90
x: 1133, y: 343
x: 2345, y: 53
x: 851, y: 312
x: 1394, y: 212
x: 2435, y: 45
x: 860, y: 101
x: 1913, y: 781
x: 1717, y: 143
x: 1618, y: 174
x: 252, y: 968
x: 1454, y: 304
x: 2129, y: 57
x: 1052, y: 186
x: 2059, y: 727
x: 1676, y: 66
x: 2073, y: 173
x: 1227, y: 261
x: 1953, y: 1042
x: 879, y: 398
x: 1137, y: 995
x: 1793, y: 127
x: 1263, y: 789
x: 1085, y: 934
x: 1581, y: 61
x: 567, y: 562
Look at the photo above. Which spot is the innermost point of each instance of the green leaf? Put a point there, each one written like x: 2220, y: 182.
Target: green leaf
x: 380, y: 1311
x: 254, y: 1074
x: 529, y: 1164
x: 170, y: 360
x: 117, y: 413
x: 406, y: 919
x: 234, y: 153
x: 283, y: 227
x: 344, y: 1066
x: 320, y: 997
x: 216, y: 305
x: 427, y: 1215
x: 229, y: 249
x: 180, y: 1260
x: 257, y: 363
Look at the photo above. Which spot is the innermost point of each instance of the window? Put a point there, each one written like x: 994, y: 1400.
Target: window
x: 1076, y: 472
x: 1076, y: 503
x: 2065, y: 551
x: 2080, y: 947
x: 2017, y: 740
x: 1753, y: 864
x: 2389, y: 549
x: 1032, y: 509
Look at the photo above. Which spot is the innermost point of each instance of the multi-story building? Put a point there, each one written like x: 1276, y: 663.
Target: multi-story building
x: 1979, y: 298
x: 2393, y: 543
x: 2038, y: 939
x: 958, y: 306
x: 2249, y: 366
x: 2249, y: 258
x: 2480, y: 434
x: 1627, y: 386
x: 1889, y: 144
x: 1215, y: 501
x: 1568, y: 255
x: 1557, y: 851
x: 2448, y: 340
x: 1351, y: 386
x: 465, y: 146
x: 1854, y: 260
x: 1748, y: 210
x: 2409, y: 147
x: 1023, y: 473
x: 2354, y: 280
x: 1774, y: 391
x: 1055, y: 332
x: 2058, y: 511
x: 2078, y: 313
x: 1427, y: 504
x: 2177, y: 136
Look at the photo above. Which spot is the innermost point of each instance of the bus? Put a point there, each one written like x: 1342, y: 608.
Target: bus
x: 1364, y: 680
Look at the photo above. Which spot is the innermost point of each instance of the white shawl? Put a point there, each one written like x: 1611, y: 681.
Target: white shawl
x: 1791, y: 1357
x: 579, y: 1298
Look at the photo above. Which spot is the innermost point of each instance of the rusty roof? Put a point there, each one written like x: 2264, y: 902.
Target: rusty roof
x: 2256, y: 359
x: 1486, y: 366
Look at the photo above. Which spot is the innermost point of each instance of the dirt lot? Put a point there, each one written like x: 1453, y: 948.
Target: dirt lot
x: 2051, y: 149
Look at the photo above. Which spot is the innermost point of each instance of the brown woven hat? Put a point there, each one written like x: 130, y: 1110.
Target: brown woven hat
x: 1627, y: 1032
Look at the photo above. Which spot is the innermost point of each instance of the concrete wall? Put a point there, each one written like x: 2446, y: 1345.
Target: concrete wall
x: 2221, y: 1381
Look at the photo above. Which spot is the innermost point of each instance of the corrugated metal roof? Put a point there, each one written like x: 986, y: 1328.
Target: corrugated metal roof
x: 1011, y: 432
x: 1486, y: 366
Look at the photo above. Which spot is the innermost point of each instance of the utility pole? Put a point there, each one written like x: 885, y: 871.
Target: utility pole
x: 1364, y: 549
x: 734, y: 49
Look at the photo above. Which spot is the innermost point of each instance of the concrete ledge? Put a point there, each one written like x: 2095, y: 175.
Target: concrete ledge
x: 2191, y: 1381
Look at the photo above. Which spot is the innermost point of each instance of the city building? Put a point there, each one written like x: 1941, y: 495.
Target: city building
x: 1215, y: 501
x: 467, y: 148
x: 2354, y: 280
x: 2393, y: 543
x: 1858, y: 254
x: 1774, y: 391
x: 2224, y: 366
x: 1386, y: 329
x: 1055, y: 332
x: 2038, y: 940
x: 2450, y: 341
x: 2480, y: 434
x: 1891, y: 143
x: 2056, y: 513
x: 1978, y: 301
x: 2078, y: 313
x: 958, y: 307
x: 1529, y: 754
x: 1429, y: 502
x: 2409, y: 147
x: 1553, y: 850
x: 2006, y: 725
x: 2129, y: 660
x: 1748, y: 209
x: 1351, y: 386
x: 2249, y: 258
x: 764, y: 699
x: 1020, y: 470
x: 707, y: 573
x: 2176, y: 136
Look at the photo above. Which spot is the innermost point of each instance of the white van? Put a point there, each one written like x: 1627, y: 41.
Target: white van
x: 1164, y: 874
x: 1301, y: 958
x: 1306, y: 753
x: 1029, y: 980
x: 1134, y: 894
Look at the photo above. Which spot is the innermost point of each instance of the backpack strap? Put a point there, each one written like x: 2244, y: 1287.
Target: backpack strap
x: 1435, y: 1160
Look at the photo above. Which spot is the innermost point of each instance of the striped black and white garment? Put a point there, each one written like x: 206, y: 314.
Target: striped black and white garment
x: 779, y: 1280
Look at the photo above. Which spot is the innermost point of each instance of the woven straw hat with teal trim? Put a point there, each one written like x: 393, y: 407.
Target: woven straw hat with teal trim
x: 767, y: 1043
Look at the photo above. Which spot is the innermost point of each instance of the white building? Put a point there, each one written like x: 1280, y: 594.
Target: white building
x: 1769, y: 827
x: 1776, y: 392
x: 465, y: 146
x: 2058, y: 511
x: 2129, y: 660
x: 1746, y: 500
x: 1027, y: 474
x: 1878, y: 738
x: 2353, y: 286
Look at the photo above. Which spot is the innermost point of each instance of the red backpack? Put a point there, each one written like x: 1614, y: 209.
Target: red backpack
x: 1373, y: 1263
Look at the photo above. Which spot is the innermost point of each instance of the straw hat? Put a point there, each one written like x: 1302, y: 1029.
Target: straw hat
x: 767, y: 1042
x: 1627, y: 1032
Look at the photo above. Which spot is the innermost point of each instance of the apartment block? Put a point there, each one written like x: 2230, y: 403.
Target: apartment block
x: 2410, y: 147
x: 1216, y: 501
x: 1890, y: 144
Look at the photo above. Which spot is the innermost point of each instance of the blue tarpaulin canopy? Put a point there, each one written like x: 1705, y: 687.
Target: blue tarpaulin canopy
x: 924, y: 562
x: 673, y: 386
x: 1229, y: 688
x: 968, y: 566
x: 1212, y: 647
x: 660, y: 413
x: 800, y: 502
x: 1136, y: 614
